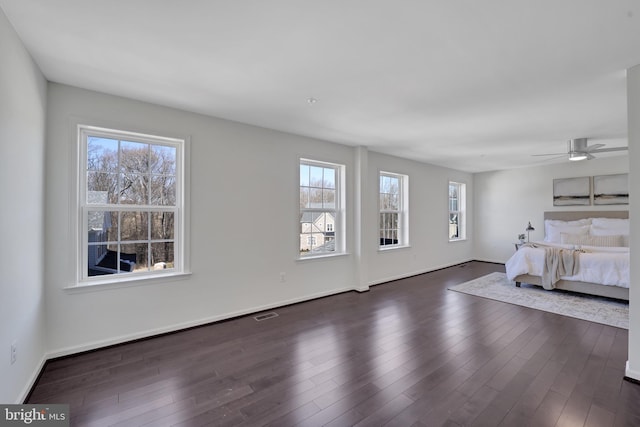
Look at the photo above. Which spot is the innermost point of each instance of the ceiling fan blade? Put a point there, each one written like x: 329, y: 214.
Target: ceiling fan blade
x: 549, y: 154
x: 561, y: 156
x: 593, y: 147
x: 606, y: 150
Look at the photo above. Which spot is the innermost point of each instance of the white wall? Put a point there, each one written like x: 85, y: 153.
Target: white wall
x: 633, y: 100
x: 506, y: 200
x: 22, y: 146
x: 428, y: 220
x: 243, y: 188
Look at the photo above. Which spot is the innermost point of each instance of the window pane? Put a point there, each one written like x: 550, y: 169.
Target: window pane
x: 393, y: 202
x: 393, y: 221
x: 329, y: 178
x: 102, y: 226
x: 318, y: 222
x: 102, y: 187
x: 305, y: 198
x: 316, y: 178
x: 102, y: 154
x: 394, y: 185
x: 385, y: 184
x: 103, y: 259
x: 134, y: 226
x: 163, y: 160
x: 134, y: 189
x: 453, y: 204
x: 134, y: 157
x: 304, y: 175
x: 163, y: 191
x: 329, y: 199
x: 453, y: 226
x: 162, y: 255
x: 134, y: 257
x: 100, y: 262
x: 322, y: 243
x: 317, y: 232
x: 315, y: 198
x: 305, y: 222
x: 162, y: 225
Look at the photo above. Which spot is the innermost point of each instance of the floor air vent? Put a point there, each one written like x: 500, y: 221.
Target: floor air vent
x: 265, y: 316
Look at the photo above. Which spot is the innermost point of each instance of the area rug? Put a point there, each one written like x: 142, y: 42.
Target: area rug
x: 496, y: 286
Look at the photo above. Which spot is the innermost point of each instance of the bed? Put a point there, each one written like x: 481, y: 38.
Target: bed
x: 603, y: 266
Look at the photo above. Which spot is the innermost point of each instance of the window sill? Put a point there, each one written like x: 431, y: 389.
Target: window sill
x: 457, y: 240
x: 391, y: 248
x: 125, y: 282
x: 308, y: 258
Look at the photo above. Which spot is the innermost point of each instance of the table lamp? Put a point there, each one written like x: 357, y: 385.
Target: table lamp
x: 529, y: 229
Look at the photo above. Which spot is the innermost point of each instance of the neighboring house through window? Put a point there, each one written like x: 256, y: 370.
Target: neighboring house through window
x: 457, y: 214
x: 130, y: 204
x: 394, y: 204
x: 320, y: 208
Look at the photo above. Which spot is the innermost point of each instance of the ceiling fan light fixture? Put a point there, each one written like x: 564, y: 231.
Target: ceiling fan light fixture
x: 576, y: 157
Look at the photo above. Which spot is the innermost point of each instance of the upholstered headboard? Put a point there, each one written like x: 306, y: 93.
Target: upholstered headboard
x: 574, y: 215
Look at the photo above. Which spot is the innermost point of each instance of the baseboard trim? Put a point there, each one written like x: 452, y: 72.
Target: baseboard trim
x: 151, y: 333
x: 631, y: 375
x: 489, y: 261
x: 417, y: 273
x: 28, y: 388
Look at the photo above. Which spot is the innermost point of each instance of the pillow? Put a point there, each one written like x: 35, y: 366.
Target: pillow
x: 610, y: 226
x: 610, y: 222
x: 559, y: 222
x: 553, y: 231
x: 595, y: 231
x: 586, y: 240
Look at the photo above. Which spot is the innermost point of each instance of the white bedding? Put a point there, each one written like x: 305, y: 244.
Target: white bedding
x: 602, y: 265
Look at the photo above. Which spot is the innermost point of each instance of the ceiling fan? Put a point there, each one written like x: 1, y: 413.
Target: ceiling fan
x: 577, y: 149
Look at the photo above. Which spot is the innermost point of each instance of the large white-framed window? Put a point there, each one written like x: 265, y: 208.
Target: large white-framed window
x: 457, y: 211
x: 321, y: 219
x: 394, y: 210
x: 130, y: 205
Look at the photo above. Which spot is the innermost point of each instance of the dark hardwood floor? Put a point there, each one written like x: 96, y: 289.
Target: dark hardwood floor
x: 407, y: 353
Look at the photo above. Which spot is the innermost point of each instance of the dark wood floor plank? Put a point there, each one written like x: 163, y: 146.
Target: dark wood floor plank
x: 473, y: 406
x: 599, y: 417
x: 407, y: 353
x: 576, y: 409
x: 548, y: 412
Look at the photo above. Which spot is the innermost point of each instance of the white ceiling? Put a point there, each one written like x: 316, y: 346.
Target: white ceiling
x: 472, y: 85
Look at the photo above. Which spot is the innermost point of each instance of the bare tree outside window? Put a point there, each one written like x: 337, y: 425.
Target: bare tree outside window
x: 131, y: 204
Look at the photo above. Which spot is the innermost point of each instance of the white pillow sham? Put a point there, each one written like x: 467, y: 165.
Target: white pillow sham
x: 553, y: 232
x: 609, y: 226
x: 560, y: 223
x: 610, y: 222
